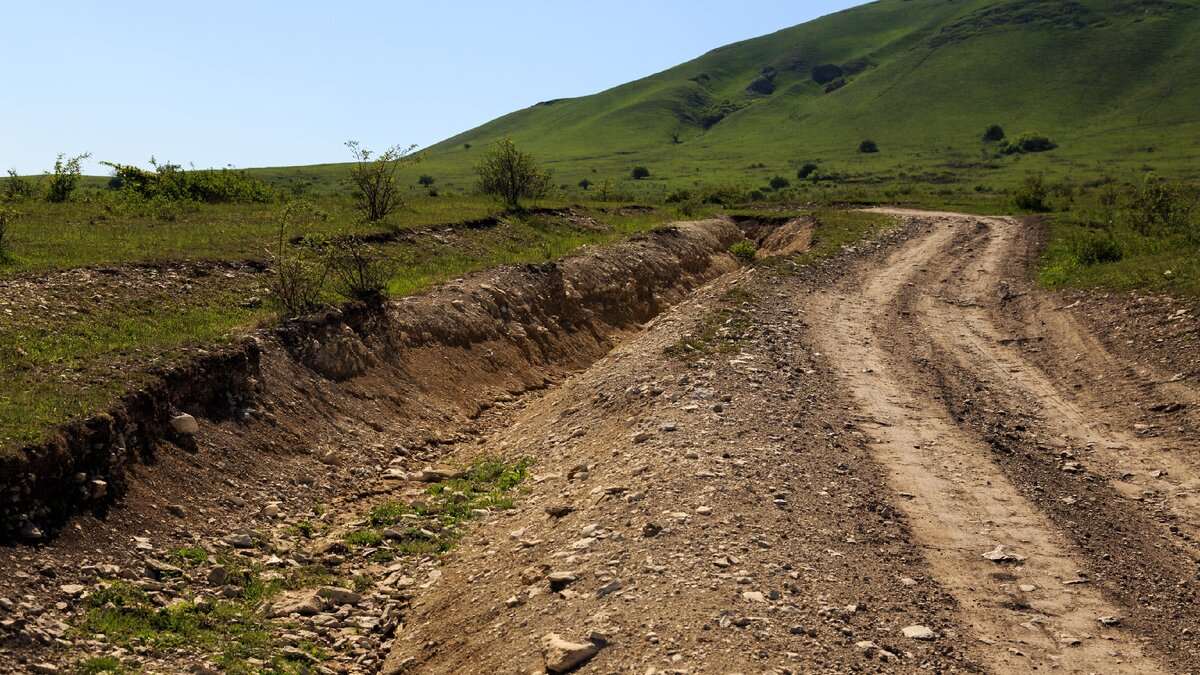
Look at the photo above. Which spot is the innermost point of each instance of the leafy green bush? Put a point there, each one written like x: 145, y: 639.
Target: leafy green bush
x: 679, y: 196
x: 779, y: 182
x: 361, y: 270
x: 585, y: 184
x: 19, y: 188
x: 426, y: 180
x: 994, y: 134
x: 171, y: 183
x: 1028, y: 142
x: 7, y: 216
x: 374, y: 179
x: 300, y: 270
x: 510, y: 174
x: 65, y: 177
x: 1031, y: 194
x: 1161, y: 207
x: 1090, y: 247
x: 640, y: 172
x: 868, y: 146
x: 807, y: 170
x: 744, y: 252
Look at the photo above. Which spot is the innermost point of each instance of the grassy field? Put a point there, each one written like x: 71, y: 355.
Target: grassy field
x: 1113, y: 83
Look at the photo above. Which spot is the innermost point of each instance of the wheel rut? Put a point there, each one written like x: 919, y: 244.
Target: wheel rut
x: 1028, y: 602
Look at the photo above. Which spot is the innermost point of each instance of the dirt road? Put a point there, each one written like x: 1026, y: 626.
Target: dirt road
x: 901, y: 448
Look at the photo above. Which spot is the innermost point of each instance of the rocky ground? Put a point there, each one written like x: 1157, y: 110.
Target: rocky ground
x: 904, y: 459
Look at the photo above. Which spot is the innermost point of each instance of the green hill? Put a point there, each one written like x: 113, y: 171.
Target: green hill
x: 1115, y: 83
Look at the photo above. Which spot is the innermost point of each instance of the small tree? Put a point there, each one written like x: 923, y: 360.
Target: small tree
x: 779, y: 182
x: 510, y: 174
x: 426, y: 180
x: 301, y: 269
x: 362, y: 271
x: 17, y: 187
x: 585, y: 184
x: 806, y: 171
x: 65, y: 177
x: 868, y: 146
x: 1032, y: 193
x: 993, y: 134
x: 607, y: 190
x: 640, y: 172
x: 374, y: 179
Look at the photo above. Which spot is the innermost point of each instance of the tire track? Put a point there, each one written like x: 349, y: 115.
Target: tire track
x: 1027, y: 609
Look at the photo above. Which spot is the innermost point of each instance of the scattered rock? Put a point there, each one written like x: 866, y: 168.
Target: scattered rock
x: 919, y: 633
x: 1001, y: 555
x: 561, y: 656
x: 1110, y: 621
x: 185, y: 425
x: 240, y: 540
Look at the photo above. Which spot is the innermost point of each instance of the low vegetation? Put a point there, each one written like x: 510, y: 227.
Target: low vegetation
x: 511, y: 175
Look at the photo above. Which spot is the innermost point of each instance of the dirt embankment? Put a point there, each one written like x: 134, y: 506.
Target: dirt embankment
x: 462, y: 345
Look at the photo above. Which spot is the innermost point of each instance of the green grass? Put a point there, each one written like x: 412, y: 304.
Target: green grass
x: 433, y: 524
x: 100, y: 665
x: 1113, y: 83
x: 56, y: 366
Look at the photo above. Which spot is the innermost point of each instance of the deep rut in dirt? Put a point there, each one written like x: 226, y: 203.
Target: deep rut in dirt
x: 939, y: 386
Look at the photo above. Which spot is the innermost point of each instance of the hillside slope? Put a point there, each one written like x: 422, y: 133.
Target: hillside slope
x: 1115, y: 83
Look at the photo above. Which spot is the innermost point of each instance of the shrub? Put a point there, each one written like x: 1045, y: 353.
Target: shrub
x: 679, y: 196
x: 1160, y: 206
x: 1092, y: 248
x: 993, y: 134
x: 300, y: 270
x: 374, y: 180
x: 640, y: 172
x: 585, y: 184
x: 426, y: 180
x: 510, y: 174
x: 1028, y: 142
x: 868, y: 146
x: 744, y: 252
x: 19, y: 188
x: 779, y: 182
x: 362, y: 271
x: 807, y: 170
x: 1031, y: 194
x: 170, y: 182
x: 65, y: 177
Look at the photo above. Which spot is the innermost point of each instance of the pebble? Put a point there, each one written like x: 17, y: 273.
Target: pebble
x: 919, y: 633
x: 704, y: 510
x: 561, y: 656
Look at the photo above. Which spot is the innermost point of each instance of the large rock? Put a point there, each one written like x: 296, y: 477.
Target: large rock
x: 561, y: 656
x: 185, y: 425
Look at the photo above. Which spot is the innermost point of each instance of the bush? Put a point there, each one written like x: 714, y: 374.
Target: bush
x: 19, y: 188
x: 1028, y: 142
x: 585, y: 184
x: 744, y: 252
x: 170, y: 182
x: 993, y: 134
x: 374, y: 180
x: 510, y: 174
x: 807, y: 170
x: 300, y: 270
x: 868, y: 146
x: 1092, y: 248
x: 640, y: 172
x: 426, y: 180
x: 1160, y: 207
x: 65, y: 177
x: 779, y: 182
x: 1031, y: 194
x: 362, y: 271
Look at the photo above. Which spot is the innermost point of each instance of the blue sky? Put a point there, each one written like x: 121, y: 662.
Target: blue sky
x: 270, y: 84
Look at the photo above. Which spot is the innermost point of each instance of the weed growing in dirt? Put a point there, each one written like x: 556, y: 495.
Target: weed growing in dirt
x: 100, y: 665
x: 433, y: 525
x: 721, y: 333
x: 300, y: 270
x: 744, y: 252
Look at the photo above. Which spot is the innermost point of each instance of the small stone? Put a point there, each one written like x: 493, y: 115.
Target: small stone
x: 271, y: 510
x: 704, y: 510
x: 513, y: 601
x: 431, y: 475
x: 609, y: 588
x: 339, y: 596
x: 73, y: 590
x: 99, y: 489
x: 560, y: 580
x: 217, y: 575
x: 185, y: 425
x: 177, y: 510
x: 919, y: 633
x: 754, y: 596
x: 30, y: 531
x: 1110, y: 621
x: 651, y: 529
x: 559, y: 510
x: 240, y: 540
x: 907, y: 581
x: 642, y: 436
x: 1027, y: 588
x: 44, y: 668
x: 561, y: 656
x: 1001, y: 555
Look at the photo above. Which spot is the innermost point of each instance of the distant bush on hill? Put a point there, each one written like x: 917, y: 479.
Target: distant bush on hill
x: 765, y: 84
x: 806, y: 170
x: 994, y: 134
x: 868, y: 146
x: 1032, y: 194
x: 170, y: 182
x: 827, y: 73
x: 1028, y: 142
x: 640, y: 172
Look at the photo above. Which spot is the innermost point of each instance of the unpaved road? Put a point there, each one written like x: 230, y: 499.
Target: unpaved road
x: 887, y: 425
x: 905, y: 459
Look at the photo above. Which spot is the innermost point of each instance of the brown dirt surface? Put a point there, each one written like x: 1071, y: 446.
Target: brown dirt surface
x: 907, y: 458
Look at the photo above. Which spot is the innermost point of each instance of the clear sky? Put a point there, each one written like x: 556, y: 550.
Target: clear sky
x: 268, y: 84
